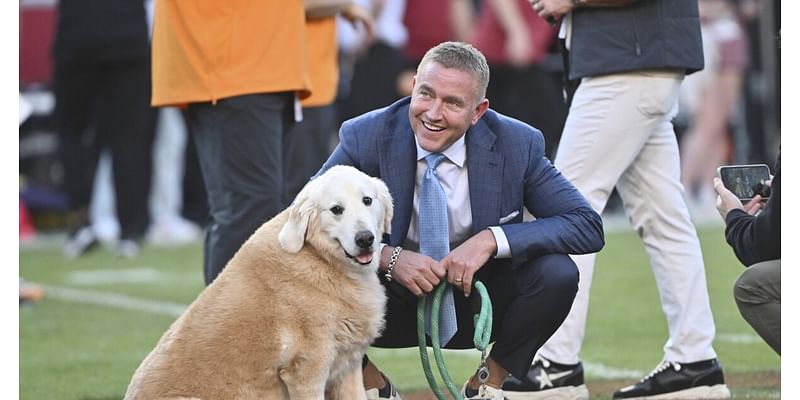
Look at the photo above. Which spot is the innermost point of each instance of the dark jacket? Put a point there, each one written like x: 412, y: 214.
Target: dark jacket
x: 648, y: 34
x: 757, y: 238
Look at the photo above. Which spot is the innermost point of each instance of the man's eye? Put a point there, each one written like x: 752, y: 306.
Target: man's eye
x: 337, y: 210
x: 367, y: 200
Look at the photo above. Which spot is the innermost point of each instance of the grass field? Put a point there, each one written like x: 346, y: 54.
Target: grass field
x: 101, y: 315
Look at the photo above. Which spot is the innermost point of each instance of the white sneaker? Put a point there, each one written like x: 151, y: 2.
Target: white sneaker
x: 388, y: 392
x: 485, y: 392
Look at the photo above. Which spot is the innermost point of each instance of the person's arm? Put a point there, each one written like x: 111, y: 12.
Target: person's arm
x: 565, y: 222
x: 517, y: 44
x: 558, y: 8
x: 462, y: 19
x: 756, y: 238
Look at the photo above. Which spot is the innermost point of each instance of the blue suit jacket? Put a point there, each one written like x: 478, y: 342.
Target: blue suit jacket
x: 507, y: 170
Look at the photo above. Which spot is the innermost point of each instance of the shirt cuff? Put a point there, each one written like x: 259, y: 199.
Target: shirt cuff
x: 503, y: 249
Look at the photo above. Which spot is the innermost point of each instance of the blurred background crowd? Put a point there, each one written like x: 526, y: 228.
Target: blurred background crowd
x: 109, y: 168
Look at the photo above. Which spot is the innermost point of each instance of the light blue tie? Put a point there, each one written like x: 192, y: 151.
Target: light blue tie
x: 434, y: 241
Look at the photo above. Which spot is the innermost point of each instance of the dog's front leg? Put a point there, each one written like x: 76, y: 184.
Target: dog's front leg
x: 305, y: 380
x: 350, y: 386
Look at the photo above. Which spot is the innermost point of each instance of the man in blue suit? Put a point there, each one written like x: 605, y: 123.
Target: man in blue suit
x: 494, y: 169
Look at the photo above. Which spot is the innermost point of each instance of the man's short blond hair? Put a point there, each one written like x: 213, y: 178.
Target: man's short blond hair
x: 463, y: 57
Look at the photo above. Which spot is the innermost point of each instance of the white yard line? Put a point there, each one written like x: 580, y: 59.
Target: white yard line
x: 116, y: 275
x: 175, y: 309
x: 114, y: 300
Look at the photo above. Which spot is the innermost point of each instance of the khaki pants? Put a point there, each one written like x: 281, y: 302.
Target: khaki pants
x: 758, y: 295
x: 618, y: 134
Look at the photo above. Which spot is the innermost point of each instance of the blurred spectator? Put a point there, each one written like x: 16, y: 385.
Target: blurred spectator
x: 756, y: 239
x: 711, y: 99
x: 631, y: 58
x: 240, y: 69
x: 371, y: 63
x: 312, y: 138
x: 516, y: 42
x: 427, y: 28
x: 102, y: 90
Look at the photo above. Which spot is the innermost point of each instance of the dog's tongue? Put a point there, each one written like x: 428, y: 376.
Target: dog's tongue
x: 364, y: 258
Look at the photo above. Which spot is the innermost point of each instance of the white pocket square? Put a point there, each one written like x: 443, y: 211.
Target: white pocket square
x: 509, y: 217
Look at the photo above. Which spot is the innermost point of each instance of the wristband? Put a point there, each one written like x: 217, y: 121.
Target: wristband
x: 392, y: 262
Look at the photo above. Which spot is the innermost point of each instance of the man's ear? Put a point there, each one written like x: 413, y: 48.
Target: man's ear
x: 480, y: 109
x: 293, y: 234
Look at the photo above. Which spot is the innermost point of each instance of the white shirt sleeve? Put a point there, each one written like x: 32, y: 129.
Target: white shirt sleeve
x: 503, y: 249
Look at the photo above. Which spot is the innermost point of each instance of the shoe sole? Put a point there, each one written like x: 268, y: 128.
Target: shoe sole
x: 562, y: 393
x: 695, y: 393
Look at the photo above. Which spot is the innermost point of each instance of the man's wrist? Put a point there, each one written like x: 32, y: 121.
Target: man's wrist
x: 392, y: 262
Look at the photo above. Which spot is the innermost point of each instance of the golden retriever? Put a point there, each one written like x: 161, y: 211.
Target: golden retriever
x: 292, y: 313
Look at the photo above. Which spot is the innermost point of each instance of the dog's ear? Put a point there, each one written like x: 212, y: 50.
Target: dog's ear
x: 385, y: 198
x: 293, y: 234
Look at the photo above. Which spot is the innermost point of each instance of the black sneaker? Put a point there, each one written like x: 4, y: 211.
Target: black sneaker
x: 672, y: 380
x: 548, y: 380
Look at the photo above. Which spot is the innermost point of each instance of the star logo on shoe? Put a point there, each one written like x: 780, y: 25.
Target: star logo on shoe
x: 546, y: 380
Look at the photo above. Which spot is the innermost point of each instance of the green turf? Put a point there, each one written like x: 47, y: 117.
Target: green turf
x: 73, y: 350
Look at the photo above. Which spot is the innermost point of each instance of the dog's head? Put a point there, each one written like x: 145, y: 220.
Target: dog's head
x: 343, y: 212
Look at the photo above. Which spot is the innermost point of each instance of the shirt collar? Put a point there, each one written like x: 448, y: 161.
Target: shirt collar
x: 456, y: 153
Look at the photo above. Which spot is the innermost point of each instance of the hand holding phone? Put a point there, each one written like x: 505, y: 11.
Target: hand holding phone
x: 746, y: 181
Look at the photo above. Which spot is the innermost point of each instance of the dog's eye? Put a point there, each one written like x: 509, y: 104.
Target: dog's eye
x: 367, y: 200
x: 337, y: 210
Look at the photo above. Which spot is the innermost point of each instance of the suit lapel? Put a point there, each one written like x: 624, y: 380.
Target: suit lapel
x: 398, y: 155
x: 485, y: 176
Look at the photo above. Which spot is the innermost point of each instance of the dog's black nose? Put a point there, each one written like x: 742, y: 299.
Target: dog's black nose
x: 364, y: 239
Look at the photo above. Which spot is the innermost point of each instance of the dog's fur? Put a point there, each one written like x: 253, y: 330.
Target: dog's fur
x: 293, y: 312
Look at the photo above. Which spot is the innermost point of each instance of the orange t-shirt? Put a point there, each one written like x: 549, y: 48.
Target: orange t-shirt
x: 206, y: 50
x: 323, y: 63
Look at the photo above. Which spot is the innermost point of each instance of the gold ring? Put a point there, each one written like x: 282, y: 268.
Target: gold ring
x: 458, y: 280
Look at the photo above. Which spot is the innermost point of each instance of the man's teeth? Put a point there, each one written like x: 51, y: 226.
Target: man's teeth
x: 432, y: 127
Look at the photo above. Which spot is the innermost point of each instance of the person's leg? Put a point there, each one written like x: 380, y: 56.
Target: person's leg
x: 596, y: 147
x: 239, y: 143
x: 127, y: 121
x: 309, y: 148
x: 654, y: 201
x: 758, y: 296
x: 74, y: 87
x: 529, y: 308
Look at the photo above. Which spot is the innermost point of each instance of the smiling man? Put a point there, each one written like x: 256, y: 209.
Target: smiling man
x: 490, y: 168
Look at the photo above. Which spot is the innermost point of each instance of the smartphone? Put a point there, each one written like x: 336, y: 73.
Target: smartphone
x: 745, y: 181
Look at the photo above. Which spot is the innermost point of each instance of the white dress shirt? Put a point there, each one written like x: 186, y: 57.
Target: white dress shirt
x: 453, y: 175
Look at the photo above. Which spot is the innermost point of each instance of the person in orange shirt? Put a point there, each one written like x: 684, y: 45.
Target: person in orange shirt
x: 311, y: 139
x: 239, y: 69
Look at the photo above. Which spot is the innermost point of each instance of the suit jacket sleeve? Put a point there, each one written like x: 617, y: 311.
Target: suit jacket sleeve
x: 565, y: 222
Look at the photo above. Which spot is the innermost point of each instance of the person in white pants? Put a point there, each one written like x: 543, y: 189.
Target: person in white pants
x: 619, y: 134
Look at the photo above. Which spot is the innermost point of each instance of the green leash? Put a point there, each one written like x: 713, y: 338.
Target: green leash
x: 483, y: 331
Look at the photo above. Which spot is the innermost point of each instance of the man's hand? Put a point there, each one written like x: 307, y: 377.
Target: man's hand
x: 417, y: 272
x: 727, y: 201
x: 465, y: 260
x: 551, y: 8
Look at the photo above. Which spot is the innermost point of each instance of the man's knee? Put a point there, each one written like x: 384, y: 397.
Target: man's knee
x: 560, y: 272
x: 553, y: 274
x: 744, y: 290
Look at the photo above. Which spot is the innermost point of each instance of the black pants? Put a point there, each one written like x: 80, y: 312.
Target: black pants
x: 103, y: 101
x: 309, y: 148
x: 241, y: 142
x: 529, y: 303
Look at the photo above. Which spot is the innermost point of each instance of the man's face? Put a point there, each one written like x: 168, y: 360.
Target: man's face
x: 443, y: 106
